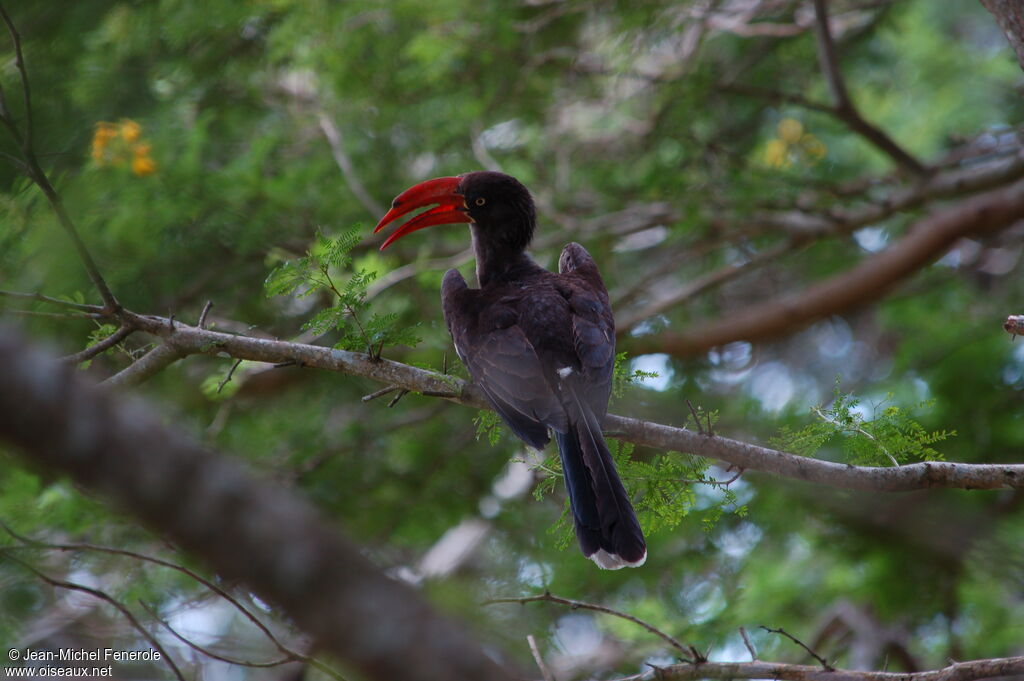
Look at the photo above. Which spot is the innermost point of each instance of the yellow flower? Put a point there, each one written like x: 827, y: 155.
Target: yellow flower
x: 101, y: 137
x: 776, y: 154
x: 813, y: 147
x: 790, y: 130
x: 143, y: 165
x: 130, y: 130
x: 105, y: 131
x: 120, y: 144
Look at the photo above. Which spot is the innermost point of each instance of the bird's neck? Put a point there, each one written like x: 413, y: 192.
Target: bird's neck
x: 498, y: 261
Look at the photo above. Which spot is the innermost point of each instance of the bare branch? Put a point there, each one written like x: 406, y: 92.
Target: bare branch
x: 870, y: 279
x: 386, y: 390
x: 346, y: 166
x: 927, y: 475
x: 782, y: 632
x: 104, y: 596
x: 52, y: 301
x: 1005, y: 667
x: 19, y: 63
x: 681, y: 293
x: 38, y: 175
x: 266, y: 536
x: 1009, y: 15
x: 539, y: 659
x: 844, y: 108
x: 548, y: 597
x: 29, y: 542
x: 777, y: 96
x: 147, y: 366
x: 100, y: 347
x: 190, y: 340
x: 748, y: 644
x: 802, y: 227
x: 58, y: 315
x: 209, y: 653
x: 202, y: 315
x: 227, y: 379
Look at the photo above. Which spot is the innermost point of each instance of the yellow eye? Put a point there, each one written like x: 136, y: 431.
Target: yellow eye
x: 481, y: 201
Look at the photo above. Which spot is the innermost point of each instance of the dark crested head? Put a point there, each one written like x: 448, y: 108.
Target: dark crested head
x: 501, y: 206
x: 498, y: 205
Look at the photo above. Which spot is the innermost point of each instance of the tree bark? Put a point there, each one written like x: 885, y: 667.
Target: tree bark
x: 244, y: 528
x: 1010, y: 16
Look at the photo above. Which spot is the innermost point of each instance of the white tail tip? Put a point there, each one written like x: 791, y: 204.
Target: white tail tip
x: 610, y: 561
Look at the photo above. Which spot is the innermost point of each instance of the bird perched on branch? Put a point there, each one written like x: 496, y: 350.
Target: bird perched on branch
x: 540, y: 345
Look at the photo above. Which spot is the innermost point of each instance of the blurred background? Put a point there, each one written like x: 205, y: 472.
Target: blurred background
x: 694, y: 148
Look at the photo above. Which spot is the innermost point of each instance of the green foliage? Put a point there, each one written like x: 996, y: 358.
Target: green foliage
x: 622, y: 378
x: 220, y: 386
x: 488, y: 424
x: 319, y: 271
x: 662, y: 489
x: 100, y: 333
x: 238, y: 174
x: 890, y: 435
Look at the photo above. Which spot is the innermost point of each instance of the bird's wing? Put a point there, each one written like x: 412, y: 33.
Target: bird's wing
x: 502, y: 361
x: 592, y: 323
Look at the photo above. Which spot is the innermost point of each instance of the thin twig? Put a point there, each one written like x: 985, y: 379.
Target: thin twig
x: 770, y: 95
x: 39, y: 177
x: 844, y: 107
x: 150, y: 364
x: 99, y: 347
x: 544, y: 671
x: 748, y: 644
x: 202, y: 315
x: 52, y: 301
x: 548, y: 597
x: 209, y: 653
x: 58, y: 315
x: 348, y: 170
x: 29, y: 542
x: 19, y: 63
x: 401, y: 393
x: 821, y: 660
x: 380, y: 393
x: 227, y: 379
x: 857, y: 429
x: 102, y: 595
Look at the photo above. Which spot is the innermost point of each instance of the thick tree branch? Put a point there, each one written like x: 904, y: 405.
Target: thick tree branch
x: 1009, y: 15
x: 147, y: 366
x: 926, y: 241
x: 191, y: 340
x: 264, y: 536
x: 1005, y: 667
x: 802, y: 227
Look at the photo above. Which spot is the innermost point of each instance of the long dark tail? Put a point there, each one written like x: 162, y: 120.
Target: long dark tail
x: 606, y: 525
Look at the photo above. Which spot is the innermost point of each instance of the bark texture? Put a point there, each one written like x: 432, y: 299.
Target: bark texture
x: 244, y: 528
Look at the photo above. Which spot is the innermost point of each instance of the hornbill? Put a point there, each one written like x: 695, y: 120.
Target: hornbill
x: 540, y: 345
